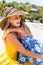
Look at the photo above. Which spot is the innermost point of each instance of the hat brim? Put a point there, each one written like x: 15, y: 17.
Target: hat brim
x: 18, y: 12
x: 3, y: 23
x: 4, y: 20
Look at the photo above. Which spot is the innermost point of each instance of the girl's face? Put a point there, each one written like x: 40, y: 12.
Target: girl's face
x: 15, y: 20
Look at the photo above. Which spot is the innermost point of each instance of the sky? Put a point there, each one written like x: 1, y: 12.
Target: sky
x: 36, y: 2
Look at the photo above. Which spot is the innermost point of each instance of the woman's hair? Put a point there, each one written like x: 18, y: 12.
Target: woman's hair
x: 8, y: 24
x: 22, y: 23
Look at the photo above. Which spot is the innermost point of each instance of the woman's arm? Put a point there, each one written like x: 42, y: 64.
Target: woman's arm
x: 11, y: 38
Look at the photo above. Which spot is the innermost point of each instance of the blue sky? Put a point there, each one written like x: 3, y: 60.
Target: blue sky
x: 36, y: 2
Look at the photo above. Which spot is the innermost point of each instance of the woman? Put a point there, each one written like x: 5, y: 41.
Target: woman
x: 14, y: 20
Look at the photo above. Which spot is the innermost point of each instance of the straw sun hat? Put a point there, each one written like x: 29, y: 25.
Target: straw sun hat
x: 10, y: 12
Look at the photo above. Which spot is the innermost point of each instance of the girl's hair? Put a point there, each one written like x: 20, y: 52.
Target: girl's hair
x: 22, y: 23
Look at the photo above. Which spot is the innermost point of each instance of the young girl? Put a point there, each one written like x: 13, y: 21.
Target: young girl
x: 17, y: 35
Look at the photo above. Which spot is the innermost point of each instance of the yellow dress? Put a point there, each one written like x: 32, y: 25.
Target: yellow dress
x: 9, y: 56
x: 12, y: 52
x: 6, y: 60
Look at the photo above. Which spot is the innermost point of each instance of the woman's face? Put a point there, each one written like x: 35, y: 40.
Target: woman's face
x: 15, y: 20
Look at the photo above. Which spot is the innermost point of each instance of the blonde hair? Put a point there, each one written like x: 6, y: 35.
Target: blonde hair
x: 8, y: 24
x: 22, y: 23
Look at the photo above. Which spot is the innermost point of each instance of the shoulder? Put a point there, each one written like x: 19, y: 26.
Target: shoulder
x: 11, y: 37
x: 11, y: 34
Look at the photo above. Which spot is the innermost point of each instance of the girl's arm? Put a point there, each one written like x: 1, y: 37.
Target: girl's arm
x: 8, y: 31
x: 11, y: 38
x: 21, y: 31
